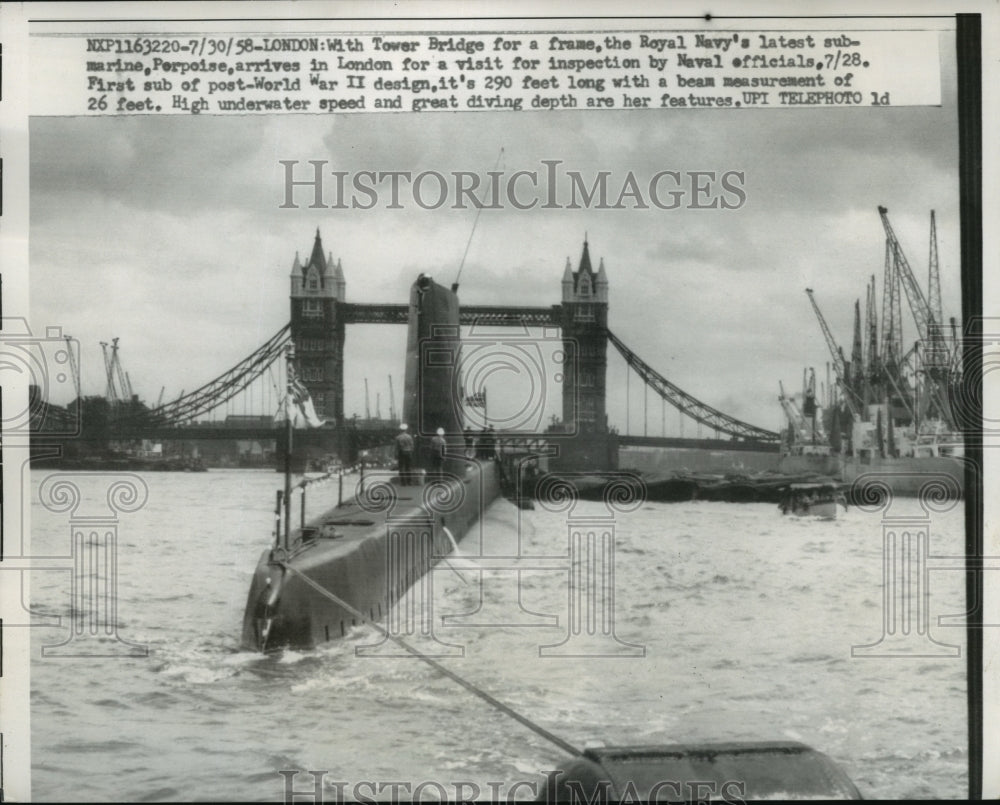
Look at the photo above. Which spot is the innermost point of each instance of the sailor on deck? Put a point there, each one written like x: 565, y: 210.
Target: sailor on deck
x: 438, y: 447
x: 489, y: 442
x: 404, y: 455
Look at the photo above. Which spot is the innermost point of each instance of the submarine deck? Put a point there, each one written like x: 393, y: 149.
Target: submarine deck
x: 368, y: 552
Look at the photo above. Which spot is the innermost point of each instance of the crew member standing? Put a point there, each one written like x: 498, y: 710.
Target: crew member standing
x: 490, y: 449
x: 438, y: 447
x: 529, y: 478
x: 404, y: 455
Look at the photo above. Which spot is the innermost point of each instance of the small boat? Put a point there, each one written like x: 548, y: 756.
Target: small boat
x: 813, y: 500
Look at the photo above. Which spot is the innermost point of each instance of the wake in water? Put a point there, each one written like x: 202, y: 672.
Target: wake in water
x: 458, y: 559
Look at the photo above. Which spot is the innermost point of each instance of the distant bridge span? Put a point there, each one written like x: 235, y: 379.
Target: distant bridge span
x: 686, y: 404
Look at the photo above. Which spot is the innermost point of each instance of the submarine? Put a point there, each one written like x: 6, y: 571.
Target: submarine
x: 354, y: 561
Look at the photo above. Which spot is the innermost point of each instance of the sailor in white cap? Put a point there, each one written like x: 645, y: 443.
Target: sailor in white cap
x: 438, y: 447
x: 404, y: 455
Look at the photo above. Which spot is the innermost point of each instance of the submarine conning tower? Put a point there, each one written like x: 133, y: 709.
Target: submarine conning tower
x: 433, y: 354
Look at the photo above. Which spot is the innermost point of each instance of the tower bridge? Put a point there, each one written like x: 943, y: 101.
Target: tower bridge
x: 320, y: 314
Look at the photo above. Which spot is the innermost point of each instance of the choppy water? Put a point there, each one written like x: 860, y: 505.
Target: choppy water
x: 747, y: 619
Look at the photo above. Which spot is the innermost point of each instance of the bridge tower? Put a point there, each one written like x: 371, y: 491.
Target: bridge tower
x: 585, y: 344
x: 317, y: 328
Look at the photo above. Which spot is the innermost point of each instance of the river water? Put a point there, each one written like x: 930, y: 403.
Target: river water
x: 746, y: 618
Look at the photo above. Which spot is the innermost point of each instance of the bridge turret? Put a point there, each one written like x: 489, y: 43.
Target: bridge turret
x: 567, y: 283
x: 601, y: 284
x: 585, y: 293
x: 314, y: 279
x: 339, y: 282
x: 585, y: 344
x: 317, y: 329
x: 296, y: 275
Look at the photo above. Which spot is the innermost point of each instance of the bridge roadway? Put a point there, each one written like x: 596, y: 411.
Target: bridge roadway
x: 220, y: 432
x: 210, y: 433
x: 483, y: 315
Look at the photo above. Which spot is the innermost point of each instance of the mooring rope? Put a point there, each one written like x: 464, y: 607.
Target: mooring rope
x: 469, y: 686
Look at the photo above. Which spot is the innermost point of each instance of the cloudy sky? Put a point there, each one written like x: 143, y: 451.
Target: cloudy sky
x: 167, y: 233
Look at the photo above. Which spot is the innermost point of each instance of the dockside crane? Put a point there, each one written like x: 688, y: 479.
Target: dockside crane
x: 892, y: 325
x: 795, y: 419
x: 73, y: 366
x: 919, y: 306
x: 934, y: 276
x: 898, y: 379
x: 810, y: 406
x: 839, y: 363
x: 119, y: 389
x: 110, y: 393
x: 805, y: 429
x: 873, y: 364
x: 894, y: 364
x: 937, y: 360
x: 857, y: 367
x: 124, y: 385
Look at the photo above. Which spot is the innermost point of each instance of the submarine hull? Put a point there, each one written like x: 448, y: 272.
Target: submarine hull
x: 366, y: 554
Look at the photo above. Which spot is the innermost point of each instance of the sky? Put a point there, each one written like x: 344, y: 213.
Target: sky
x: 167, y: 233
